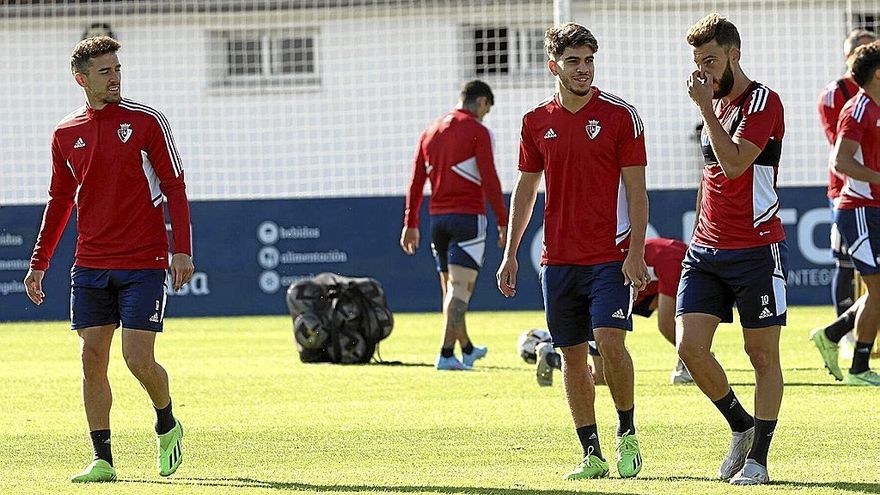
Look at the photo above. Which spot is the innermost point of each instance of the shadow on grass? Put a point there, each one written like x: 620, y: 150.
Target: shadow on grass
x: 794, y: 384
x: 401, y: 364
x: 307, y: 487
x: 839, y: 486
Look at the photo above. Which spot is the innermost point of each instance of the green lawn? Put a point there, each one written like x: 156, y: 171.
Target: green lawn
x: 259, y: 421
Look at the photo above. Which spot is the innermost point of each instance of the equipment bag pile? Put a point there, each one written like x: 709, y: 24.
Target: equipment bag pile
x: 338, y: 319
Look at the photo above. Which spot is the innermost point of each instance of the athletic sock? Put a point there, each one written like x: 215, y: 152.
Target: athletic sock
x: 625, y: 422
x: 447, y: 352
x: 842, y: 288
x: 554, y: 360
x: 589, y: 437
x: 164, y: 420
x: 841, y: 326
x: 101, y: 445
x: 860, y: 358
x: 736, y: 416
x: 469, y: 348
x: 761, y: 444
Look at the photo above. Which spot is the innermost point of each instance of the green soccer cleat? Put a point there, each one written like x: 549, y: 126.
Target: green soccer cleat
x: 591, y: 467
x: 629, y: 459
x: 170, y: 450
x: 867, y: 378
x: 98, y: 471
x: 829, y: 351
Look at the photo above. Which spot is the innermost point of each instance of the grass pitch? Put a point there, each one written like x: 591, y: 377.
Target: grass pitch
x: 259, y: 421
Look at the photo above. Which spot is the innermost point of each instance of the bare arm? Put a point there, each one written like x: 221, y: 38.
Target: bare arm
x: 521, y: 204
x: 635, y: 271
x: 845, y: 162
x: 734, y: 155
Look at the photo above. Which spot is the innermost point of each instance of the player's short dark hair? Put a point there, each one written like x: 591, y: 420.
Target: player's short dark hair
x: 714, y: 27
x: 865, y: 62
x: 475, y: 89
x: 570, y: 34
x: 90, y: 48
x: 852, y: 40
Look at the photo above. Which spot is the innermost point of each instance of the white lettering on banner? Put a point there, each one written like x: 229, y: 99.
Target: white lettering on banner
x: 197, y: 286
x: 11, y: 287
x: 301, y: 232
x: 334, y: 256
x: 813, y: 277
x: 15, y: 265
x: 688, y: 222
x: 269, y: 232
x: 806, y: 244
x: 11, y: 240
x: 289, y: 280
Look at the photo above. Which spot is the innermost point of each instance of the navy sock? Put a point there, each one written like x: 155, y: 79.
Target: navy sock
x: 101, y: 445
x: 589, y: 437
x: 842, y: 288
x: 842, y: 325
x: 625, y: 422
x: 164, y: 420
x: 860, y: 358
x: 761, y: 444
x: 469, y: 348
x: 736, y: 416
x: 446, y: 352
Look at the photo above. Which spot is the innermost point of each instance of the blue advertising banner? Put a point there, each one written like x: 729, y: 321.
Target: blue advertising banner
x: 248, y: 252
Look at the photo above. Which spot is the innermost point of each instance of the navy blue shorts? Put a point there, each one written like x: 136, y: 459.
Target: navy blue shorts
x: 838, y: 246
x: 860, y: 229
x: 713, y: 280
x: 458, y: 239
x: 578, y: 299
x: 135, y: 298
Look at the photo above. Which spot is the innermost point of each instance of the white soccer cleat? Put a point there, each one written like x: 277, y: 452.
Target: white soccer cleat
x: 736, y: 454
x: 752, y: 473
x: 681, y: 375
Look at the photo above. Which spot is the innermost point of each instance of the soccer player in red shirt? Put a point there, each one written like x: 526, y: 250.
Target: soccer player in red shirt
x: 738, y: 252
x: 589, y: 146
x: 857, y: 156
x: 115, y: 159
x: 831, y: 101
x: 456, y: 154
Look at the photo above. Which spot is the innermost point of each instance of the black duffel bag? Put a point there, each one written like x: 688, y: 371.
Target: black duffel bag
x: 338, y: 319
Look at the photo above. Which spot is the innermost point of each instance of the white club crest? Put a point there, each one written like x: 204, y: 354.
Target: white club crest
x: 124, y: 132
x: 593, y: 128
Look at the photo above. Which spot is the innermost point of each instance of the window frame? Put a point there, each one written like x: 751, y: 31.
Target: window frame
x: 523, y: 61
x: 270, y: 65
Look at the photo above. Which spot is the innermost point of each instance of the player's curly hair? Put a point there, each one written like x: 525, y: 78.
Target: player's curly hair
x: 865, y: 62
x: 90, y: 48
x: 714, y: 27
x: 558, y: 38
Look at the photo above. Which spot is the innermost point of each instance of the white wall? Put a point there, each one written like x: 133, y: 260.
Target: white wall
x: 386, y: 73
